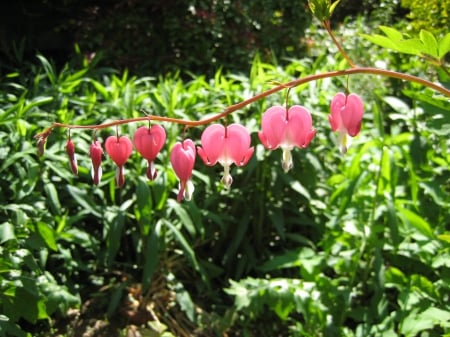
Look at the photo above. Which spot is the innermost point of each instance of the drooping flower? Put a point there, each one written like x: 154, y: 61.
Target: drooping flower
x: 182, y: 158
x: 346, y: 117
x: 70, y: 149
x: 119, y: 148
x: 286, y: 128
x: 226, y: 145
x: 96, y: 153
x: 148, y: 142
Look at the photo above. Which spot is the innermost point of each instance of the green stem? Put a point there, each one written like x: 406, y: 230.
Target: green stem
x: 327, y: 25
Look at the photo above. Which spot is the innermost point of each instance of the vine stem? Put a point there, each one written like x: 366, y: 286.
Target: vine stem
x: 327, y: 25
x: 240, y: 105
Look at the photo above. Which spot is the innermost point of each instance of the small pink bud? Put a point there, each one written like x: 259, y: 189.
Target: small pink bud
x: 96, y: 153
x: 119, y: 149
x: 227, y: 145
x: 149, y: 142
x: 70, y: 149
x: 182, y: 158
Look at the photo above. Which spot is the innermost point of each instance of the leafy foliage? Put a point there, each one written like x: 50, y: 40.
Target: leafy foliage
x: 432, y: 15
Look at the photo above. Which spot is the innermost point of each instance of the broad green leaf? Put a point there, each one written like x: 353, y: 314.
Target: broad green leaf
x: 290, y: 259
x: 52, y: 198
x: 417, y: 322
x: 416, y: 221
x: 190, y: 254
x: 430, y: 45
x: 392, y: 33
x: 381, y: 40
x: 82, y: 197
x: 183, y: 215
x: 444, y: 237
x: 115, y: 230
x: 444, y: 45
x: 185, y: 300
x: 48, y: 235
x: 151, y: 255
x: 6, y: 232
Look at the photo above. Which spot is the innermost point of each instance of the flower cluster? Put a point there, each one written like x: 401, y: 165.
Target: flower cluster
x: 281, y: 127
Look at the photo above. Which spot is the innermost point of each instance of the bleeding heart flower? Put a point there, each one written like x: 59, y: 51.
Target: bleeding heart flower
x: 226, y: 145
x: 119, y: 149
x: 70, y: 149
x: 148, y: 142
x: 96, y: 153
x: 182, y: 158
x: 286, y: 128
x: 346, y: 116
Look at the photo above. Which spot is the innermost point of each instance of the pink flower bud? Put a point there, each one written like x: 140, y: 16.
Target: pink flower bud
x: 119, y: 149
x: 182, y: 158
x: 149, y: 142
x: 96, y: 153
x: 287, y: 129
x: 226, y: 145
x: 70, y: 149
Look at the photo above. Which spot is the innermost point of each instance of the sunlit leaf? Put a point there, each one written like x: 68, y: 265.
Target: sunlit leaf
x: 430, y: 45
x: 416, y: 221
x: 48, y: 234
x: 6, y: 232
x: 444, y: 45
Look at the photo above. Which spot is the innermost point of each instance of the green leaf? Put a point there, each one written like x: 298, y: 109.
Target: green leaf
x: 290, y: 259
x: 84, y: 199
x: 381, y: 40
x: 6, y: 232
x: 417, y: 322
x: 444, y: 237
x: 430, y: 45
x: 444, y: 45
x: 182, y: 215
x: 333, y: 7
x: 184, y: 245
x: 392, y: 33
x: 151, y: 255
x: 185, y: 301
x: 47, y: 234
x: 320, y: 9
x: 416, y: 221
x: 52, y: 198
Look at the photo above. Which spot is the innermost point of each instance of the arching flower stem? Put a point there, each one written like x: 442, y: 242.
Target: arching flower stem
x: 189, y: 123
